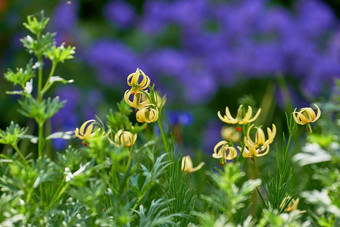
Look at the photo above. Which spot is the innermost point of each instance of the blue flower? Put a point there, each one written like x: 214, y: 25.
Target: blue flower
x: 120, y: 13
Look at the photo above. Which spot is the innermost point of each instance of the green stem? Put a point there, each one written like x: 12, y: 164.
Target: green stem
x: 40, y: 77
x: 18, y: 151
x: 163, y: 137
x: 61, y: 192
x: 41, y: 139
x: 47, y: 84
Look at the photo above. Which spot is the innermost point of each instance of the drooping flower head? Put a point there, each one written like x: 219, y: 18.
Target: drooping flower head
x: 225, y: 151
x: 187, y: 165
x: 138, y: 81
x: 85, y: 131
x: 241, y: 118
x: 136, y: 100
x: 260, y: 146
x: 306, y: 116
x: 292, y: 206
x: 125, y: 138
x: 148, y: 113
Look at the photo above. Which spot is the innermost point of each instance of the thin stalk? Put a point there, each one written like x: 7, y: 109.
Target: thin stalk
x: 47, y: 84
x: 163, y: 138
x: 40, y: 78
x: 41, y: 139
x: 18, y: 151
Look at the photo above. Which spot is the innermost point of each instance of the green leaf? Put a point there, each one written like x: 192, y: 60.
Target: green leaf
x: 21, y: 76
x: 38, y: 46
x: 35, y: 26
x: 12, y: 134
x: 40, y: 111
x: 60, y: 54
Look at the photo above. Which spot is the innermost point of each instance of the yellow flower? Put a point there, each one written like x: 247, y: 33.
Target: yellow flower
x: 133, y: 80
x: 187, y: 165
x: 292, y: 204
x: 240, y: 119
x: 85, y: 134
x: 148, y: 113
x: 306, y: 115
x: 230, y: 134
x: 139, y: 99
x: 224, y: 151
x: 125, y: 138
x: 260, y: 146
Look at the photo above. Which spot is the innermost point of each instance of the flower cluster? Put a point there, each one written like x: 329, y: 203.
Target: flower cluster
x: 259, y: 146
x: 146, y: 103
x: 250, y: 148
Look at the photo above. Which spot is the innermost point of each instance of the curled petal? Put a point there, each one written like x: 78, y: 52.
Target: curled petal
x: 263, y: 151
x: 260, y: 138
x: 271, y: 134
x: 255, y: 117
x: 187, y: 165
x: 247, y: 116
x: 318, y: 113
x: 218, y: 145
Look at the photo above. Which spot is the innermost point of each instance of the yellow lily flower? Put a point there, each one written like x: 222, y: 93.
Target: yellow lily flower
x: 125, y: 138
x: 148, y: 113
x: 134, y: 78
x: 230, y: 134
x: 260, y: 146
x: 240, y: 119
x: 225, y: 151
x: 306, y: 115
x: 85, y: 134
x: 187, y: 165
x: 139, y: 99
x: 292, y: 205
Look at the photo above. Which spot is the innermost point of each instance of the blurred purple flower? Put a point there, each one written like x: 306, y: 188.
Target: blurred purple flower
x: 156, y: 15
x: 120, y: 13
x: 180, y: 117
x: 212, y: 135
x: 113, y: 60
x: 169, y: 62
x: 66, y: 119
x: 65, y: 16
x: 314, y: 17
x: 199, y: 86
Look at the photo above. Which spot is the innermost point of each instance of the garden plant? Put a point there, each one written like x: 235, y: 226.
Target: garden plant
x: 126, y: 168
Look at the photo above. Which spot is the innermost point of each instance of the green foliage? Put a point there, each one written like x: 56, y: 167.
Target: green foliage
x: 21, y: 76
x: 158, y: 214
x: 60, y: 54
x: 38, y: 46
x: 120, y: 119
x: 228, y: 198
x: 12, y: 134
x: 278, y: 185
x: 34, y: 25
x: 40, y: 111
x: 177, y: 191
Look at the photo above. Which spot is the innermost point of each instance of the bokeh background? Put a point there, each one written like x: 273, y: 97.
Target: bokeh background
x: 203, y: 54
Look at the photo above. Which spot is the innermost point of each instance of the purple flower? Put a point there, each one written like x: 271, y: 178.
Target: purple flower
x: 156, y: 15
x: 113, y: 60
x: 65, y: 16
x: 314, y: 17
x: 180, y: 117
x: 120, y: 13
x: 169, y: 62
x: 212, y: 136
x: 199, y: 86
